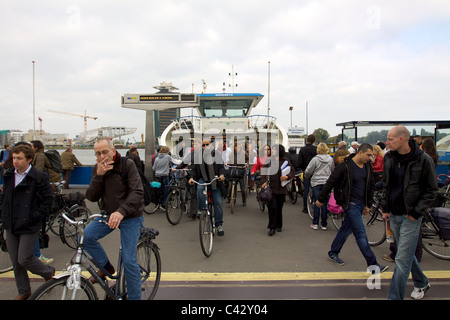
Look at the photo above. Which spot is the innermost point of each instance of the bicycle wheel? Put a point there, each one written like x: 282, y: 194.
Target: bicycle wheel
x: 56, y: 289
x: 69, y: 232
x: 173, y: 207
x: 233, y: 196
x: 206, y: 233
x: 433, y: 243
x: 53, y: 223
x: 151, y: 208
x: 375, y: 226
x: 336, y: 219
x: 310, y: 204
x: 150, y: 265
x: 5, y: 260
x: 292, y: 191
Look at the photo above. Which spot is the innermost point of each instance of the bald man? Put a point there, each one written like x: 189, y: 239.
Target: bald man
x: 409, y: 189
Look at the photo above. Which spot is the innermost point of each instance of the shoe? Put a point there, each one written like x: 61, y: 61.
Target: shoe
x: 46, y: 260
x: 305, y: 210
x: 335, y: 258
x: 23, y: 296
x: 314, y: 226
x: 324, y: 228
x: 279, y: 229
x: 220, y: 231
x: 419, y: 293
x: 52, y: 275
x: 387, y: 257
x: 101, y: 275
x: 244, y: 204
x: 271, y: 232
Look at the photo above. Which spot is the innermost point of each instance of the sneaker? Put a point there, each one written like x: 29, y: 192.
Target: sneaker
x: 220, y: 231
x: 381, y: 269
x: 314, y: 226
x: 335, y: 258
x: 324, y: 228
x: 419, y: 293
x: 46, y: 260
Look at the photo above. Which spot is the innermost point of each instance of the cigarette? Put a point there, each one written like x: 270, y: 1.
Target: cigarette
x: 104, y: 163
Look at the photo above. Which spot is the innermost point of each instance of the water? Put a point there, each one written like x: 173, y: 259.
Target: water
x: 87, y: 157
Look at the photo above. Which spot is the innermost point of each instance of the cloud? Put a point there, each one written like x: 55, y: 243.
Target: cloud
x: 350, y: 60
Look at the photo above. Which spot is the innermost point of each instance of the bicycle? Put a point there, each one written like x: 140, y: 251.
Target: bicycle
x: 234, y: 175
x: 207, y: 228
x: 5, y: 261
x: 295, y: 187
x: 73, y: 285
x: 258, y: 184
x: 432, y: 241
x: 179, y: 197
x: 336, y: 218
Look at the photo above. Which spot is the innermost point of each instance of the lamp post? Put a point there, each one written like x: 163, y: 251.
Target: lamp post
x: 290, y: 109
x: 34, y: 106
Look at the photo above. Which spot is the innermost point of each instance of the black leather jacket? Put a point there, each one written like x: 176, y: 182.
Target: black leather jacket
x: 418, y: 188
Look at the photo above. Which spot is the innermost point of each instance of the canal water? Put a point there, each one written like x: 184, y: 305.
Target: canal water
x: 87, y: 157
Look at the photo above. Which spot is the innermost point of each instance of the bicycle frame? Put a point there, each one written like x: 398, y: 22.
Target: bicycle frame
x: 83, y: 259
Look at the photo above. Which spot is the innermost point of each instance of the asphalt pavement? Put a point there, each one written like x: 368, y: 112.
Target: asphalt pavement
x: 248, y: 264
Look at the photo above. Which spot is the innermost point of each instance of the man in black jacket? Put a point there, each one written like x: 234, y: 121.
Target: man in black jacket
x: 409, y: 189
x: 352, y: 182
x: 24, y: 202
x: 208, y: 165
x: 304, y: 157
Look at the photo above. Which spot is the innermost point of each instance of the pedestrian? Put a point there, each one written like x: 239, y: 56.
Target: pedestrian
x: 353, y: 147
x: 377, y: 163
x: 276, y: 170
x: 318, y: 171
x: 161, y: 167
x: 42, y: 163
x: 68, y: 160
x: 24, y: 202
x: 429, y: 148
x: 208, y: 165
x: 123, y: 202
x: 305, y: 155
x: 133, y: 154
x: 352, y: 182
x: 409, y: 189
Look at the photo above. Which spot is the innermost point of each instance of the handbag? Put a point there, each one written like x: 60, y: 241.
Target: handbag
x: 265, y: 194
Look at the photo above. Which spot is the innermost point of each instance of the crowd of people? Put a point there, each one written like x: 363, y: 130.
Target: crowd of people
x: 351, y: 175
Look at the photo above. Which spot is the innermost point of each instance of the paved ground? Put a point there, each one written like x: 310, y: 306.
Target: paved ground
x: 248, y: 264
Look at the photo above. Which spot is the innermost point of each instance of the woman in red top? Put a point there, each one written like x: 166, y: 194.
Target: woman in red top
x: 377, y: 163
x: 264, y: 154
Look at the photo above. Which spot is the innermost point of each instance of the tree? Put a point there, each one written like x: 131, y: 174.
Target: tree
x: 321, y: 135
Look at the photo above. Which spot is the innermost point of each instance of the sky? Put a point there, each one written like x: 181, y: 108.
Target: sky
x: 347, y: 60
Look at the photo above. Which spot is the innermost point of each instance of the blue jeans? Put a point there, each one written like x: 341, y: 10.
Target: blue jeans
x: 406, y: 233
x: 319, y: 212
x: 217, y: 197
x: 353, y: 223
x: 130, y: 230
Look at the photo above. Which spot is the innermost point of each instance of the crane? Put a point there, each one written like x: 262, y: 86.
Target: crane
x: 85, y: 117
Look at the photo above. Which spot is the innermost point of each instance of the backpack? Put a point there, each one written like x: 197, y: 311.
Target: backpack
x: 55, y: 160
x: 145, y: 183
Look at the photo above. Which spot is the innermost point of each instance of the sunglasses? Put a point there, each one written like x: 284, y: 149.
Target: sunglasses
x: 205, y: 145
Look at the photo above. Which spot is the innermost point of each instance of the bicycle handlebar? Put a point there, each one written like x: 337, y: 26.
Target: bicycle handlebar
x: 91, y: 217
x: 206, y: 183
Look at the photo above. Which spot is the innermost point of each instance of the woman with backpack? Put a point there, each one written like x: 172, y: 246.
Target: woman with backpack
x: 41, y: 162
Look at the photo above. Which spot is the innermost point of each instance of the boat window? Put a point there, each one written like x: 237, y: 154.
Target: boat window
x: 225, y: 108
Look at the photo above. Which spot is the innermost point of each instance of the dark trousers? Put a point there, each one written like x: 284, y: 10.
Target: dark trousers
x: 67, y: 174
x: 275, y: 208
x: 20, y: 249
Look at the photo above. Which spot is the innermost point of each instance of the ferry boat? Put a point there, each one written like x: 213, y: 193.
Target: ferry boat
x: 227, y: 116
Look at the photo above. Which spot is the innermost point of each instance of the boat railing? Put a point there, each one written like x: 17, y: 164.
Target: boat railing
x: 254, y: 122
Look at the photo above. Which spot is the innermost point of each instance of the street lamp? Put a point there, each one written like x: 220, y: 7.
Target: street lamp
x: 290, y: 109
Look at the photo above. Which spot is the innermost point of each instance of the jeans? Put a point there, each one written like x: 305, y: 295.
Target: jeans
x: 319, y: 212
x: 217, y: 197
x: 130, y: 230
x: 406, y: 233
x: 353, y: 223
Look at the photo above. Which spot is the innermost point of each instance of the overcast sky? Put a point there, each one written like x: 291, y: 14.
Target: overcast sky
x: 349, y: 59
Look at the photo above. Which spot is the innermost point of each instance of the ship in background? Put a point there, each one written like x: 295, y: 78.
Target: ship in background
x: 226, y: 116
